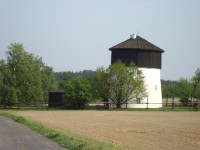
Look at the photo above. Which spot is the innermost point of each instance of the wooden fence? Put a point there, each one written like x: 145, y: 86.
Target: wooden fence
x: 167, y: 104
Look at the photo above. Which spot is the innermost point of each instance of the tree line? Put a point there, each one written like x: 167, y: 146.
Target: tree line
x: 184, y: 89
x: 102, y: 86
x: 63, y: 76
x: 118, y: 83
x: 24, y: 77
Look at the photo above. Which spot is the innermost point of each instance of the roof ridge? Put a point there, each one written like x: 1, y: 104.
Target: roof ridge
x: 136, y: 43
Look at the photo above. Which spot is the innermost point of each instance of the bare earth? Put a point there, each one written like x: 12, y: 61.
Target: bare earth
x: 134, y: 130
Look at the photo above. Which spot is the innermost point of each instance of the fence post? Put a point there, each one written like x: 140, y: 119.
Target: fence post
x: 126, y: 104
x: 147, y: 103
x: 195, y: 105
x: 173, y: 103
x: 191, y: 98
x: 167, y: 100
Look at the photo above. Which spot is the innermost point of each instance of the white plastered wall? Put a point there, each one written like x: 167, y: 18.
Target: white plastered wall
x: 153, y: 87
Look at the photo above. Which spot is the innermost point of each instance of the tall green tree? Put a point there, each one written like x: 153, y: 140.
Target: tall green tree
x: 121, y: 83
x: 26, y: 69
x: 24, y: 78
x: 8, y: 96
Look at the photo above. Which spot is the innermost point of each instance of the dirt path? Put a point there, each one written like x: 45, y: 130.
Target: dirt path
x: 14, y: 136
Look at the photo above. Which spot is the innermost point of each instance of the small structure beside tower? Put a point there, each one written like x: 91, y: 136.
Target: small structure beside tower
x: 148, y: 58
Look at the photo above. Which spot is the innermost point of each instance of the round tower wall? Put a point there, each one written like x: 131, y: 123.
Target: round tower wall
x: 153, y: 89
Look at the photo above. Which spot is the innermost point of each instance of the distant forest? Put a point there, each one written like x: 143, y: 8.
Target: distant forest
x: 167, y: 82
x: 64, y: 76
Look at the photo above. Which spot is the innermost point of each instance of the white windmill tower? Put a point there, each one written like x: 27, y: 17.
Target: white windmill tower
x: 148, y: 58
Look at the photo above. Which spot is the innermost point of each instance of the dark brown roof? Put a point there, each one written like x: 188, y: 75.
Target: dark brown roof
x: 136, y: 42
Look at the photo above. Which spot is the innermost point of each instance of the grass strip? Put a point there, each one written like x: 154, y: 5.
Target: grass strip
x: 66, y: 140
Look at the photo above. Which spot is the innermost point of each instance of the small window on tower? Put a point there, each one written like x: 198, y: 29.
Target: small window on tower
x: 156, y: 87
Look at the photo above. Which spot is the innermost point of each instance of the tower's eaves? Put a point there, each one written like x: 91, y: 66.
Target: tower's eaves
x: 136, y: 42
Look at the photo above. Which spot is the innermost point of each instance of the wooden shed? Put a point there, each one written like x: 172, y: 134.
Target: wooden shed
x: 56, y: 98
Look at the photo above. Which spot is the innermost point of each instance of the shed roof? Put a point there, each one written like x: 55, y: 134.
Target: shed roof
x: 136, y: 42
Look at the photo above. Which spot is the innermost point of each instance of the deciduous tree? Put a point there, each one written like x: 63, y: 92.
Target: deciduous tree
x: 184, y: 91
x: 102, y: 83
x: 79, y: 92
x: 8, y: 96
x: 122, y: 83
x: 25, y: 67
x: 23, y: 77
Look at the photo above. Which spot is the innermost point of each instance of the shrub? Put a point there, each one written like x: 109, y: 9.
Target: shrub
x: 79, y: 92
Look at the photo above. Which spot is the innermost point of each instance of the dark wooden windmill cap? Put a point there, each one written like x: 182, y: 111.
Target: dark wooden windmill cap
x: 136, y: 42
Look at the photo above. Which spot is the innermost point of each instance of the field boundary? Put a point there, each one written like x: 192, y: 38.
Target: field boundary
x: 68, y: 140
x: 166, y: 105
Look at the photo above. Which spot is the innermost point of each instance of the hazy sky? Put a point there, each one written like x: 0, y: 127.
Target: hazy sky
x: 73, y: 35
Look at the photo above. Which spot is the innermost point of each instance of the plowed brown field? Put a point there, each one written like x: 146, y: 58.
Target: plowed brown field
x: 134, y: 130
